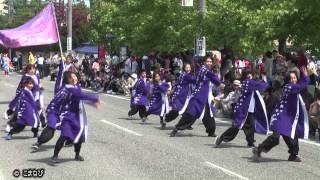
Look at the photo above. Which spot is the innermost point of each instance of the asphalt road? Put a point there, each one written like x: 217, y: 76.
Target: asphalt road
x: 118, y: 148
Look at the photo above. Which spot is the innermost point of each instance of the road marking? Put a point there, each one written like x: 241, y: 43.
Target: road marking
x: 224, y: 122
x: 121, y: 128
x: 114, y: 96
x: 127, y: 99
x: 211, y: 165
x: 118, y: 97
x: 309, y: 142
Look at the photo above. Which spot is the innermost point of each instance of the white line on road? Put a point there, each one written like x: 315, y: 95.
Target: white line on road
x: 221, y: 121
x: 211, y: 165
x: 118, y: 97
x: 121, y: 128
x: 309, y: 142
x: 114, y: 96
x: 127, y: 99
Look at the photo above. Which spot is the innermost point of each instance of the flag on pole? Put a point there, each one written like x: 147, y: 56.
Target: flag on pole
x: 188, y: 3
x: 40, y: 30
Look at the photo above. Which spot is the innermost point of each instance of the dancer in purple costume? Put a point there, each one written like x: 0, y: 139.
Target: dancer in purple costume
x: 200, y: 105
x: 249, y: 114
x: 73, y: 117
x: 289, y: 119
x: 26, y: 109
x: 159, y: 103
x: 181, y: 95
x: 139, y: 99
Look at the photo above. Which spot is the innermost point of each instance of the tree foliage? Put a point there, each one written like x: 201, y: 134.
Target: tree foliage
x: 144, y: 25
x: 164, y: 25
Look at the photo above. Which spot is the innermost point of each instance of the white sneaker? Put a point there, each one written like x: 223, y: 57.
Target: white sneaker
x: 8, y: 128
x: 6, y: 116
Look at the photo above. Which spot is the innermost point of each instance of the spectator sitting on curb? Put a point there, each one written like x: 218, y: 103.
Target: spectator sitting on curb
x: 228, y: 102
x: 314, y: 115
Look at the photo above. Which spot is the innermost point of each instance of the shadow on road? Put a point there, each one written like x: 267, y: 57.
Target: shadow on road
x: 133, y: 119
x: 226, y: 145
x: 44, y: 148
x: 20, y: 137
x: 218, y: 124
x: 5, y: 102
x: 145, y: 123
x: 101, y: 142
x: 179, y: 134
x: 48, y: 161
x: 222, y: 124
x: 264, y: 160
x: 166, y: 128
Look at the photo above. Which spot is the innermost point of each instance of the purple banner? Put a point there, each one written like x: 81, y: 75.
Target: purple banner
x: 40, y: 30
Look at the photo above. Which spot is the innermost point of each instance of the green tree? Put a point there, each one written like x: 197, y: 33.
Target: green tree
x: 164, y: 25
x: 160, y: 25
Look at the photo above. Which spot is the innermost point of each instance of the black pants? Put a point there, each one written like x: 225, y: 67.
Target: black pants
x: 248, y: 130
x: 10, y: 112
x: 273, y: 140
x: 53, y: 77
x: 19, y: 127
x: 46, y: 71
x: 20, y: 64
x: 187, y: 120
x: 138, y: 108
x: 46, y: 135
x: 60, y: 144
x: 41, y: 70
x: 172, y: 115
x: 13, y: 119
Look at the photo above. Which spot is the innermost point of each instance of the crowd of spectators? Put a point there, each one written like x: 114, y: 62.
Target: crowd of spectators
x: 116, y: 75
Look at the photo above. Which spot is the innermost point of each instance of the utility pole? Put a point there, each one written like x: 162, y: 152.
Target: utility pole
x: 91, y: 4
x: 200, y: 39
x: 69, y: 26
x: 10, y: 11
x: 202, y: 8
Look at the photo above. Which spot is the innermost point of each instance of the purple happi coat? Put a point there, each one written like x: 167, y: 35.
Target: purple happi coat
x: 290, y: 117
x: 139, y: 93
x: 202, y: 94
x: 250, y: 94
x: 159, y: 104
x: 55, y: 107
x: 73, y: 115
x: 36, y: 91
x: 183, y: 89
x: 27, y: 109
x: 62, y: 68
